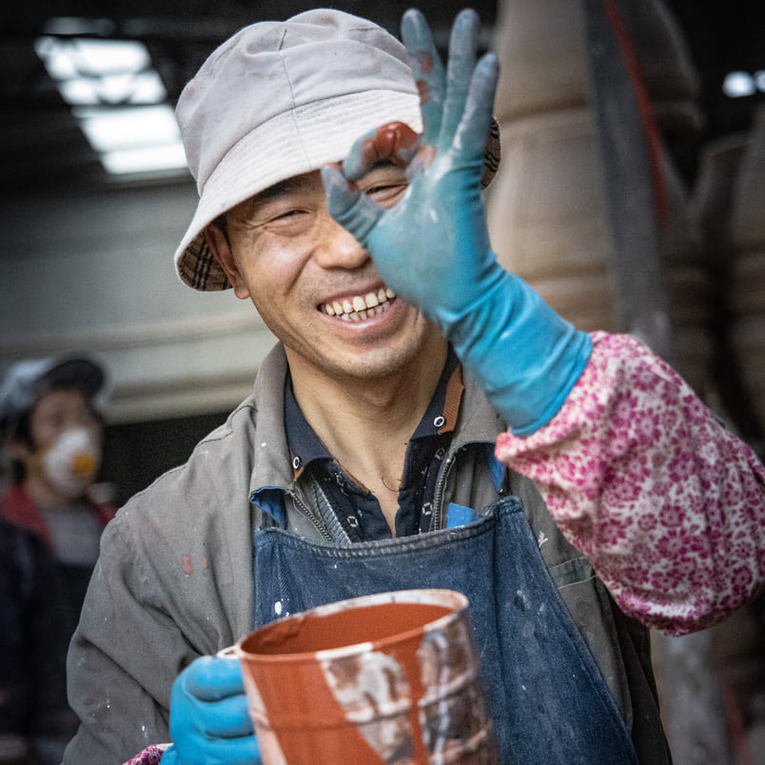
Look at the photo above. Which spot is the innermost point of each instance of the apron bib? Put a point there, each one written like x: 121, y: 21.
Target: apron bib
x: 546, y: 695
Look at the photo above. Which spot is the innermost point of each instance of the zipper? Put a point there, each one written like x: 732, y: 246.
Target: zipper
x: 315, y: 519
x: 438, y: 492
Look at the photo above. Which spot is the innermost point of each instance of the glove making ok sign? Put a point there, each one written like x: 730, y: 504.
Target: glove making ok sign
x: 433, y: 247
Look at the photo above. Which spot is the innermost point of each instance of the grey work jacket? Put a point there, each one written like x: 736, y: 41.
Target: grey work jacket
x: 174, y: 580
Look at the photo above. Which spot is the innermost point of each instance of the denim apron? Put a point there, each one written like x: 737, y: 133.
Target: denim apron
x: 546, y: 695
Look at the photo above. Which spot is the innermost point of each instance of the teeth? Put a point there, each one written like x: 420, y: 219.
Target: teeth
x: 358, y: 308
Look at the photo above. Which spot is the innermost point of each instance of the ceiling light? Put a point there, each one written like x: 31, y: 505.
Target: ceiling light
x: 738, y: 84
x: 117, y: 97
x: 145, y: 88
x: 110, y: 56
x: 74, y: 25
x: 129, y: 127
x: 151, y: 159
x: 69, y: 57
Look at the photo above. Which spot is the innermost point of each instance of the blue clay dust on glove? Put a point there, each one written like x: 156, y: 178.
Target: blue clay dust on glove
x: 433, y: 249
x: 210, y: 722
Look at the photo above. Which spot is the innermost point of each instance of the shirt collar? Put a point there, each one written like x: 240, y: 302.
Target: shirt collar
x: 440, y: 417
x: 303, y: 443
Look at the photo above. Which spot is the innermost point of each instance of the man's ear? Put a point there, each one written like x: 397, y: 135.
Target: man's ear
x: 220, y: 247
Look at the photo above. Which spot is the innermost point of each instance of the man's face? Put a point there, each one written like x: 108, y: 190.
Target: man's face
x: 309, y: 278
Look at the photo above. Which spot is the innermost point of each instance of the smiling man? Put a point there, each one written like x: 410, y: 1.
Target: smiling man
x: 425, y: 421
x: 355, y: 352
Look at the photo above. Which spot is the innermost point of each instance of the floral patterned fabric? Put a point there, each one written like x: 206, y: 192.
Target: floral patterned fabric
x: 152, y: 755
x: 667, y: 504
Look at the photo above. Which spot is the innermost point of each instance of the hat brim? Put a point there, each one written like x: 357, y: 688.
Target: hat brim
x: 73, y: 372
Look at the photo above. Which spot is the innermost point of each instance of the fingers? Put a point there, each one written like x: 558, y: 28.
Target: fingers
x: 211, y: 678
x: 428, y: 72
x: 234, y: 752
x: 457, y: 104
x: 472, y: 132
x: 216, y: 692
x: 394, y: 142
x: 217, y: 753
x: 228, y: 718
x: 210, y: 721
x: 353, y: 210
x: 462, y: 56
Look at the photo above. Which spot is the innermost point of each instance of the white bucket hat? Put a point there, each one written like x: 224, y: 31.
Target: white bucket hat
x: 279, y: 99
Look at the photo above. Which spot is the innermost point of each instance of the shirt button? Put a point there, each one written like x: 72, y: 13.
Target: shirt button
x: 296, y: 463
x: 439, y: 421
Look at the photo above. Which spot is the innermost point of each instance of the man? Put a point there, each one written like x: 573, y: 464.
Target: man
x: 50, y: 423
x: 364, y: 460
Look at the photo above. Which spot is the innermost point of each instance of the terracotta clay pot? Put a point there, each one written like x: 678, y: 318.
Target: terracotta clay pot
x: 387, y: 678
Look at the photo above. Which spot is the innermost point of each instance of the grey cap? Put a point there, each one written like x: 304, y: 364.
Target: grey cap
x: 29, y: 380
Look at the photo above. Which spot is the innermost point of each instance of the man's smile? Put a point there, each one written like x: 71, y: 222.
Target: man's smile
x: 359, y: 307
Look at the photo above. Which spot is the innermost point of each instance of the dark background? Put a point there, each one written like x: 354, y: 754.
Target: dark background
x: 40, y: 142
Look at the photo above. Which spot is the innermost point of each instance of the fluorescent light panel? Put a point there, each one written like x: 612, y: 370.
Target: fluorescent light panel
x: 118, y: 99
x: 130, y: 127
x: 149, y: 159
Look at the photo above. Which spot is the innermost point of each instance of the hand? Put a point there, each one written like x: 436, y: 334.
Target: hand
x: 442, y: 210
x: 433, y: 247
x: 210, y: 722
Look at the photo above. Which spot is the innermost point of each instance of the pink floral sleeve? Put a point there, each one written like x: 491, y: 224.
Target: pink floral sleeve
x: 668, y: 505
x: 152, y: 755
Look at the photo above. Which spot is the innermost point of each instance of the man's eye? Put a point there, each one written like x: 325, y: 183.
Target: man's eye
x: 287, y: 220
x: 286, y: 217
x: 382, y: 189
x: 383, y: 194
x: 288, y: 214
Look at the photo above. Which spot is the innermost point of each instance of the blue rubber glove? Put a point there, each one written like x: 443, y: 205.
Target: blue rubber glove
x: 210, y: 722
x: 433, y: 247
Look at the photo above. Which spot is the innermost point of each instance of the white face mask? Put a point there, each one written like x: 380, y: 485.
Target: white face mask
x: 71, y: 464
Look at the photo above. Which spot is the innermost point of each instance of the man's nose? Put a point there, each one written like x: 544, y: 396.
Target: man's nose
x: 336, y: 248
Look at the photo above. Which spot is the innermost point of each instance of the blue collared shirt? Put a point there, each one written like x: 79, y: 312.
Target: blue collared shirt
x: 358, y: 510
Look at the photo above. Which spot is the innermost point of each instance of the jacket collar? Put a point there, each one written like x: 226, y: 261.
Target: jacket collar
x: 478, y: 422
x: 272, y: 467
x: 271, y: 457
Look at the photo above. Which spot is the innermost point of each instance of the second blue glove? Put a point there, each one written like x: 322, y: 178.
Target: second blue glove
x: 210, y: 722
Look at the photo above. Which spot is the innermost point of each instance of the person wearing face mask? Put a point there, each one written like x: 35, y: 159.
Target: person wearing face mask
x: 51, y: 426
